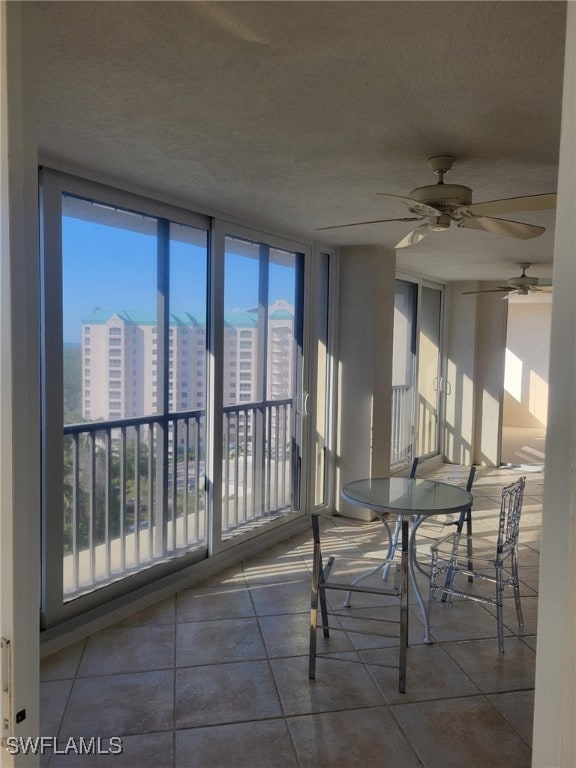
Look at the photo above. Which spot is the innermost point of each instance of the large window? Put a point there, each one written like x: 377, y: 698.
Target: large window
x: 125, y: 490
x: 262, y: 311
x: 174, y: 391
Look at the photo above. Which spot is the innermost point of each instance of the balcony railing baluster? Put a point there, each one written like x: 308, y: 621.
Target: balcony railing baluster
x: 185, y: 495
x: 75, y: 510
x: 151, y: 488
x: 111, y: 503
x: 245, y: 444
x: 92, y: 508
x: 174, y: 494
x: 136, y: 514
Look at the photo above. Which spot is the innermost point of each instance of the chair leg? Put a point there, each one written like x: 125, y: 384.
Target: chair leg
x: 403, y: 609
x: 516, y: 587
x: 450, y: 571
x: 316, y: 575
x: 500, y: 609
x: 392, y: 544
x: 469, y: 542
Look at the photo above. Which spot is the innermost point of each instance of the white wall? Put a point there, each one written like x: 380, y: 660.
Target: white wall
x: 366, y: 317
x: 554, y: 742
x: 19, y: 389
x: 527, y: 361
x: 476, y: 340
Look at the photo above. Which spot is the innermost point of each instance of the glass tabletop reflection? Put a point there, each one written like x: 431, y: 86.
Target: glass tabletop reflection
x: 406, y: 495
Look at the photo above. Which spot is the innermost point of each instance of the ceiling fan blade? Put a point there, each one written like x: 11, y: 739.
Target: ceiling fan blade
x: 487, y: 290
x: 503, y: 227
x: 544, y: 282
x: 510, y: 205
x: 414, y: 205
x: 413, y: 237
x: 376, y: 221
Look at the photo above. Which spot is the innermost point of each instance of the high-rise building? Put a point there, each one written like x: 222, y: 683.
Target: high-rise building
x: 120, y: 365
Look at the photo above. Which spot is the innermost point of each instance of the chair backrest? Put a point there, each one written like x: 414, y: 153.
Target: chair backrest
x: 471, y: 478
x: 510, y: 511
x: 414, y: 467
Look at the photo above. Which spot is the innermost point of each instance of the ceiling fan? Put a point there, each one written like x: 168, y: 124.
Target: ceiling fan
x: 443, y: 205
x: 521, y: 285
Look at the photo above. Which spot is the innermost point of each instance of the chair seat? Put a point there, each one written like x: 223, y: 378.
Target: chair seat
x: 455, y: 549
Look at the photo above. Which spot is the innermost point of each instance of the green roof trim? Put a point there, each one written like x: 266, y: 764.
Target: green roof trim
x: 235, y: 319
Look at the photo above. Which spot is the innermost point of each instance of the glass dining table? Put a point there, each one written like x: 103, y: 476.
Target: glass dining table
x: 416, y: 498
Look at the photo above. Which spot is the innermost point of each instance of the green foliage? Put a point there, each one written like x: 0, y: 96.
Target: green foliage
x: 72, y: 375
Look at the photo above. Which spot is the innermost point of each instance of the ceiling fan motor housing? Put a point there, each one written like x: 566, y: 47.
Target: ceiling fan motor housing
x: 523, y: 282
x: 443, y: 197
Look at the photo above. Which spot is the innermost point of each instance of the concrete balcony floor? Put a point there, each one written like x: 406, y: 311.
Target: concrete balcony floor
x: 216, y: 677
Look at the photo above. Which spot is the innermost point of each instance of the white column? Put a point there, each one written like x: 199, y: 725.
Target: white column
x: 554, y: 742
x: 366, y: 318
x: 19, y: 388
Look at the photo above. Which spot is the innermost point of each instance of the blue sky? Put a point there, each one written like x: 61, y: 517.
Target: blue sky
x: 115, y: 269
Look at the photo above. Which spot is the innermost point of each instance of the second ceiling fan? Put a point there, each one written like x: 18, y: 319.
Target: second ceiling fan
x: 442, y: 205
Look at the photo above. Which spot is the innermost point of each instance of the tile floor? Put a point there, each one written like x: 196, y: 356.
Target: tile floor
x: 216, y: 677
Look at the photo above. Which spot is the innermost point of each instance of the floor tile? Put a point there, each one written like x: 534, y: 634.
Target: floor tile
x: 241, y: 694
x: 492, y: 671
x: 290, y: 597
x: 230, y: 577
x: 218, y: 602
x: 117, y: 705
x: 128, y: 649
x: 62, y: 664
x: 462, y: 620
x: 431, y: 674
x: 361, y: 738
x: 338, y: 685
x: 461, y: 732
x: 275, y: 570
x: 260, y: 744
x: 217, y: 642
x: 530, y: 641
x: 518, y: 709
x: 144, y: 750
x: 53, y: 699
x: 163, y: 612
x: 225, y: 693
x: 289, y: 635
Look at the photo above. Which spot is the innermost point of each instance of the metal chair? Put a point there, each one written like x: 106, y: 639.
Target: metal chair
x: 451, y: 556
x: 337, y: 574
x: 437, y: 523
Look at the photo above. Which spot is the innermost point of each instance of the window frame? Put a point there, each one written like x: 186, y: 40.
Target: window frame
x: 52, y: 186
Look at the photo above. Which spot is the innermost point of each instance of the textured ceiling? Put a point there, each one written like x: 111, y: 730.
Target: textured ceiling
x: 294, y: 115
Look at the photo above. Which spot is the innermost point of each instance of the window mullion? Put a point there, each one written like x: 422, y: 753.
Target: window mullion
x: 261, y: 380
x: 163, y: 346
x: 215, y: 376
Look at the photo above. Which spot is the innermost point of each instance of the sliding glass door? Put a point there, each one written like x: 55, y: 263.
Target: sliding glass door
x: 262, y: 384
x: 175, y: 405
x: 403, y: 373
x: 430, y: 380
x: 417, y: 381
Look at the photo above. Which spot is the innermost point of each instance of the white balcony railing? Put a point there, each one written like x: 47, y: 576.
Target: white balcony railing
x: 135, y: 489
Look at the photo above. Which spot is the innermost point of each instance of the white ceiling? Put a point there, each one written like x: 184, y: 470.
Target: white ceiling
x: 295, y: 114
